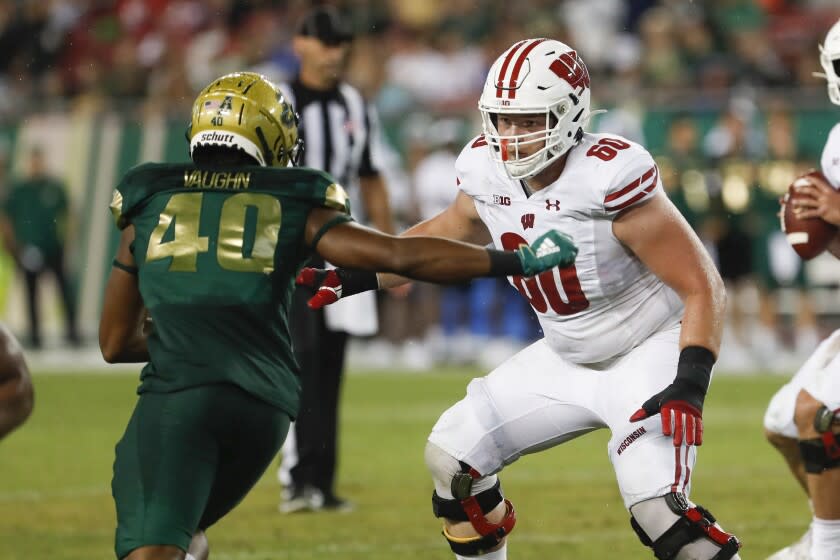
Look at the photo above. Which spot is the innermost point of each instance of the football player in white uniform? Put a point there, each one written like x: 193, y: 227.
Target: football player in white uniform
x: 802, y: 418
x: 640, y: 313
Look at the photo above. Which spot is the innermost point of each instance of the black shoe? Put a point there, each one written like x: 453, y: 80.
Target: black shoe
x: 334, y: 503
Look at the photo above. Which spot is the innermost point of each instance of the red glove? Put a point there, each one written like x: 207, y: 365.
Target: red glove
x: 681, y: 407
x: 327, y: 282
x: 681, y: 402
x: 334, y: 284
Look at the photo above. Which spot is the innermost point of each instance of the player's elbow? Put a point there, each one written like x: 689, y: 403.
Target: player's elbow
x: 109, y: 354
x: 111, y: 347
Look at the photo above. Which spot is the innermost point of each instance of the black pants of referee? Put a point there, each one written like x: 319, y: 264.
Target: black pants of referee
x: 53, y: 263
x: 320, y: 354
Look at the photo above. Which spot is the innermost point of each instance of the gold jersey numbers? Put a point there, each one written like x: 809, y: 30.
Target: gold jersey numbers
x: 248, y: 231
x: 249, y: 213
x: 181, y: 215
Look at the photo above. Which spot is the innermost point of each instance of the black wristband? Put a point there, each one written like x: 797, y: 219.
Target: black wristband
x: 354, y: 281
x: 504, y: 263
x: 124, y: 267
x: 695, y: 366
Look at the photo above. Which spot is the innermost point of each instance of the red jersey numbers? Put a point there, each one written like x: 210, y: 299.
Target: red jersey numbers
x: 607, y: 148
x: 541, y: 291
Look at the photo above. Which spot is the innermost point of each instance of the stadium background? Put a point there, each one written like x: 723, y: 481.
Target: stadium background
x: 104, y: 85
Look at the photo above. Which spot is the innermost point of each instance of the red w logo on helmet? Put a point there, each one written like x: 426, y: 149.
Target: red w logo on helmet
x: 569, y: 66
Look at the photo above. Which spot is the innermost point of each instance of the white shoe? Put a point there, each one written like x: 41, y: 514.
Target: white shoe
x: 800, y: 550
x: 303, y: 499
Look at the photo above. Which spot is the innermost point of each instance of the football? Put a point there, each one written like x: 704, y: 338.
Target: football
x: 808, y: 237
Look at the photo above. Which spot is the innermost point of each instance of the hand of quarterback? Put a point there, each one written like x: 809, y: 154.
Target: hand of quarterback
x: 327, y: 282
x: 681, y: 407
x: 817, y: 200
x: 549, y: 250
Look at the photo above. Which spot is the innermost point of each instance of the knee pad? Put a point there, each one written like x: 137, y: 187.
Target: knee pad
x: 469, y: 503
x: 820, y: 454
x: 694, y: 524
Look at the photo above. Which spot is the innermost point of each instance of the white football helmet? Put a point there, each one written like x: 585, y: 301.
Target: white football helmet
x: 830, y: 60
x: 536, y: 76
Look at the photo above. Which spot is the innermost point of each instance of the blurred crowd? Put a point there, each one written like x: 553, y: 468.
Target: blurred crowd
x: 100, y: 53
x: 721, y: 91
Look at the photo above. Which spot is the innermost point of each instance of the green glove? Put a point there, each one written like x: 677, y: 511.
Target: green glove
x: 549, y: 250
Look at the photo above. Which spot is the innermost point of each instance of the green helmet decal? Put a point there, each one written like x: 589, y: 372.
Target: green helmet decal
x: 245, y: 111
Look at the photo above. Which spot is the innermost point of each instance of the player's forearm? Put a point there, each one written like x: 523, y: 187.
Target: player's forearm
x: 121, y: 327
x: 124, y: 347
x: 444, y: 261
x: 702, y: 323
x: 390, y: 280
x: 437, y: 226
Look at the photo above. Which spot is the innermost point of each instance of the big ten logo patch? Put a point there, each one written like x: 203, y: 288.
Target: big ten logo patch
x: 501, y: 200
x: 527, y: 221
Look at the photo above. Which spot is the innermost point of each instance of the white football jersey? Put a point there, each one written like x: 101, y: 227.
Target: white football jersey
x: 830, y: 161
x: 608, y: 302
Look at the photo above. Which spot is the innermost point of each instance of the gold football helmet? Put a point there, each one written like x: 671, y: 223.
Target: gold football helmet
x: 245, y: 111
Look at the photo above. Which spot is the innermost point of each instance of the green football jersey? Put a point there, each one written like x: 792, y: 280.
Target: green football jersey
x: 217, y: 252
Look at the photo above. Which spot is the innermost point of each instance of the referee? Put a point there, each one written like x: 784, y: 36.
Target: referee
x: 340, y: 136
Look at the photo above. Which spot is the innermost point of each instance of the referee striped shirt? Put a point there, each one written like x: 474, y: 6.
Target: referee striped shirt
x: 340, y: 135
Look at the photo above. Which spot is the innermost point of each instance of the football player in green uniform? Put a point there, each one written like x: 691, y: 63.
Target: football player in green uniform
x: 200, y: 289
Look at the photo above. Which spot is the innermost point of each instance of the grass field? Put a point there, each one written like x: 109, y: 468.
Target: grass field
x: 55, y: 475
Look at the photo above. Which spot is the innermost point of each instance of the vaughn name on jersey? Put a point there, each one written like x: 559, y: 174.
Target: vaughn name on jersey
x: 607, y: 302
